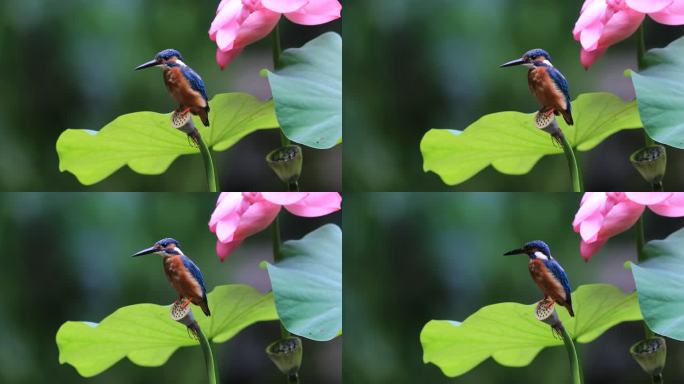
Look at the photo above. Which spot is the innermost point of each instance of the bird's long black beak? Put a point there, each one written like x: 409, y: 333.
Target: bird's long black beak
x: 146, y: 251
x: 515, y: 252
x: 150, y: 63
x: 512, y: 63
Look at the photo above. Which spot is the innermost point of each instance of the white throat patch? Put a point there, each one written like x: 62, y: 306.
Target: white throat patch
x: 540, y: 255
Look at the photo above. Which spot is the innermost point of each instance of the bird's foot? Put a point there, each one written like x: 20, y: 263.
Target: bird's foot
x: 185, y: 303
x: 548, y: 303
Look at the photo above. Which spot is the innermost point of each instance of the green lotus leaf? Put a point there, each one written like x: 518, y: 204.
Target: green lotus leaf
x: 307, y: 90
x: 511, y: 334
x: 307, y: 284
x: 660, y: 92
x: 512, y: 144
x: 148, y: 144
x: 146, y: 334
x: 660, y: 283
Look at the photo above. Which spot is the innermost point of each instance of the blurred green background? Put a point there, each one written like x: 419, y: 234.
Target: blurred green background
x: 412, y: 65
x: 69, y: 64
x: 413, y: 257
x: 67, y: 257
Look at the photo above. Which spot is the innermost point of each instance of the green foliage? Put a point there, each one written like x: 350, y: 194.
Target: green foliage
x: 510, y: 333
x: 146, y: 334
x: 660, y: 92
x: 148, y: 144
x: 659, y: 283
x: 512, y: 144
x: 307, y: 90
x: 307, y: 284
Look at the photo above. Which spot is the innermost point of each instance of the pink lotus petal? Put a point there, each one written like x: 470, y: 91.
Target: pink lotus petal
x: 225, y: 37
x: 316, y: 204
x: 672, y: 15
x: 648, y: 6
x: 284, y: 198
x: 228, y: 13
x: 256, y: 26
x: 227, y: 203
x: 224, y: 58
x: 256, y: 218
x: 648, y: 198
x: 316, y: 12
x: 673, y: 207
x: 589, y: 26
x: 587, y: 59
x: 284, y: 6
x: 225, y: 249
x: 621, y: 218
x: 592, y: 202
x: 587, y: 250
x: 590, y: 227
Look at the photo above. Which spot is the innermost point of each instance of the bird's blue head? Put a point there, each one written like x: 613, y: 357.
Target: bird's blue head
x: 536, y: 249
x: 164, y: 247
x: 164, y: 59
x: 537, y: 54
x: 168, y: 54
x: 531, y: 57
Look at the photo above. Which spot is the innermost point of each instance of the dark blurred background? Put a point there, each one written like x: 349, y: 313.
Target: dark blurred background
x: 67, y: 257
x: 410, y: 258
x: 412, y: 65
x: 69, y: 64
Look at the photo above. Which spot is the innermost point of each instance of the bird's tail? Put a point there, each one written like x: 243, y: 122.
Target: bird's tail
x: 567, y: 116
x: 568, y: 306
x: 204, y: 116
x: 205, y: 307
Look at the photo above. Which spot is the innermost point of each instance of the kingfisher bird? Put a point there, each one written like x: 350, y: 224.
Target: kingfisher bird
x: 181, y: 272
x: 547, y: 83
x: 184, y: 84
x: 547, y: 273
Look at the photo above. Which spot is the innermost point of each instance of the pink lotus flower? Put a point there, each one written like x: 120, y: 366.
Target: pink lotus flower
x: 239, y: 23
x: 603, y: 215
x: 239, y: 215
x: 603, y: 23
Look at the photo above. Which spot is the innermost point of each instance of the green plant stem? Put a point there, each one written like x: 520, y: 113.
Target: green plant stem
x: 641, y: 64
x: 212, y: 373
x: 657, y: 379
x: 275, y: 236
x: 575, y: 367
x: 276, y: 49
x: 212, y: 177
x: 293, y: 379
x: 575, y: 177
x: 657, y: 187
x: 640, y: 241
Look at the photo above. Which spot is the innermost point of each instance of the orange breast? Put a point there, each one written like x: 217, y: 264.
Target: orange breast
x: 182, y: 92
x: 181, y: 280
x: 544, y: 89
x: 546, y: 281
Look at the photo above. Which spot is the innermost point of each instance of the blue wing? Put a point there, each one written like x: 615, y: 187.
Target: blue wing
x: 559, y: 273
x: 195, y: 82
x: 562, y: 84
x: 195, y: 273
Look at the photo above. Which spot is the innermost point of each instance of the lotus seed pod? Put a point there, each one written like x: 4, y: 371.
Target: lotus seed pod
x: 286, y: 162
x: 286, y: 354
x: 650, y: 354
x: 651, y: 162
